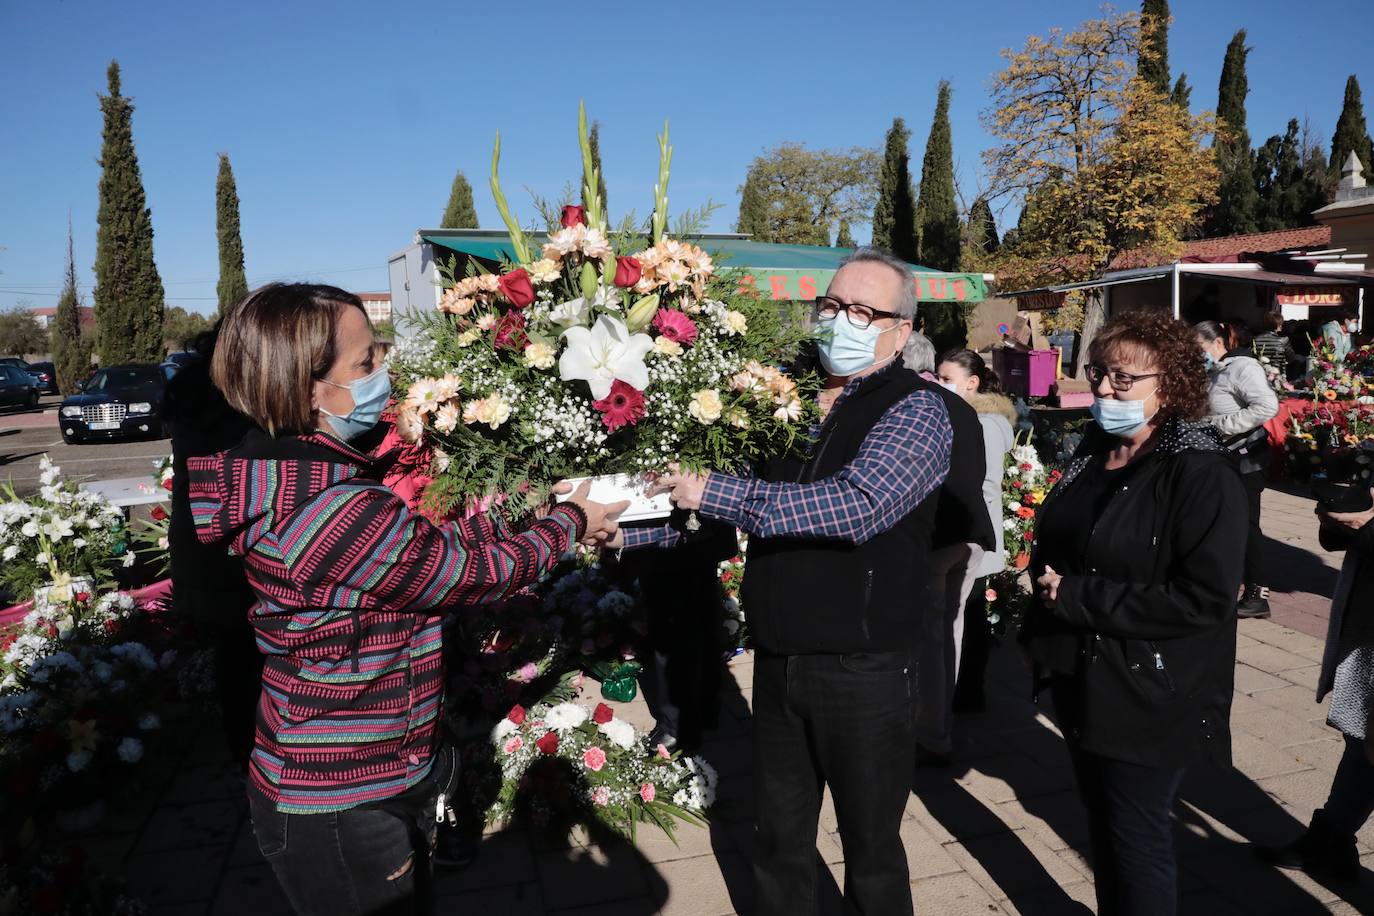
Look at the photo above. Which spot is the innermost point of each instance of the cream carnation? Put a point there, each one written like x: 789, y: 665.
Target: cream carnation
x: 705, y: 406
x: 544, y: 270
x: 664, y: 346
x: 539, y: 355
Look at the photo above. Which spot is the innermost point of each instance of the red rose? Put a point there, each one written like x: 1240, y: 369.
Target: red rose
x: 7, y: 642
x: 1027, y: 535
x: 159, y: 514
x: 602, y: 714
x: 573, y: 215
x: 167, y: 484
x: 548, y: 744
x: 510, y: 332
x: 627, y: 272
x: 517, y: 714
x: 624, y: 406
x: 1017, y: 484
x: 516, y: 287
x: 83, y: 597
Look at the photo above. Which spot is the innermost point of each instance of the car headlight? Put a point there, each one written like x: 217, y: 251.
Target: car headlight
x: 71, y: 411
x: 141, y: 407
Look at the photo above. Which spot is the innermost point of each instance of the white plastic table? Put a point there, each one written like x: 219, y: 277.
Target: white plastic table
x: 129, y: 491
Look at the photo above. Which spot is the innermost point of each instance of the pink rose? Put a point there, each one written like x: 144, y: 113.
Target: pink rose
x: 646, y: 792
x: 663, y: 752
x: 601, y: 796
x: 990, y: 594
x: 675, y: 326
x: 527, y: 673
x: 513, y: 744
x: 594, y: 758
x: 573, y: 215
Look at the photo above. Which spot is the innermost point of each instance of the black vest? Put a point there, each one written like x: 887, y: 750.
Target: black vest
x: 809, y: 595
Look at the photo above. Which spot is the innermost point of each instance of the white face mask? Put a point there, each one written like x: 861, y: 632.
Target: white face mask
x: 951, y: 387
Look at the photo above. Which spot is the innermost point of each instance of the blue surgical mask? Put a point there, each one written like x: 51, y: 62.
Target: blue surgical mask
x: 845, y: 349
x: 1120, y: 418
x: 370, y: 394
x: 1208, y: 361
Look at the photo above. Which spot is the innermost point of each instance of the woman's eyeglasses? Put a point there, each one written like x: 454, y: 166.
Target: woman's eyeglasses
x: 860, y: 315
x: 1120, y: 381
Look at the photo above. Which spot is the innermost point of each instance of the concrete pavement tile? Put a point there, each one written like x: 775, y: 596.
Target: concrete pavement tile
x: 506, y: 900
x: 1303, y: 792
x: 692, y: 841
x: 1008, y: 863
x: 1012, y: 776
x: 1277, y: 727
x: 1279, y: 636
x: 1323, y: 754
x: 1314, y: 653
x: 1303, y: 677
x: 212, y: 823
x: 502, y: 858
x: 925, y: 855
x: 1252, y: 680
x: 251, y: 889
x: 1270, y: 658
x: 953, y: 895
x: 1058, y: 820
x: 830, y: 847
x: 599, y: 874
x: 707, y: 885
x: 1293, y: 699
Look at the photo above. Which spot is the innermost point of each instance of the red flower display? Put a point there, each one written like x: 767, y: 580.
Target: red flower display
x: 628, y: 272
x: 548, y: 744
x: 573, y: 215
x: 159, y: 514
x: 510, y: 332
x: 675, y: 326
x: 517, y: 714
x: 624, y: 406
x: 516, y: 287
x: 602, y: 714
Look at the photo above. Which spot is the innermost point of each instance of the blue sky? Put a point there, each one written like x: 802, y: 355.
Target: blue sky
x: 346, y: 121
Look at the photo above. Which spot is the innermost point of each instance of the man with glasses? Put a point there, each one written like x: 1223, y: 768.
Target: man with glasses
x: 837, y: 551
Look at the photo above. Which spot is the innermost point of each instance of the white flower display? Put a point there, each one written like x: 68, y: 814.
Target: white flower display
x: 619, y: 732
x: 565, y: 716
x: 605, y: 353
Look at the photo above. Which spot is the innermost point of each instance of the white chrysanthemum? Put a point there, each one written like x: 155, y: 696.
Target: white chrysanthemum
x: 619, y: 732
x: 503, y: 730
x: 565, y: 717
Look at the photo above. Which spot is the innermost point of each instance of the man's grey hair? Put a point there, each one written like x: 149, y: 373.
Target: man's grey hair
x: 905, y: 306
x: 919, y: 353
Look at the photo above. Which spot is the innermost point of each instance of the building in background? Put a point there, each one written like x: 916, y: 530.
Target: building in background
x: 48, y: 313
x: 377, y: 306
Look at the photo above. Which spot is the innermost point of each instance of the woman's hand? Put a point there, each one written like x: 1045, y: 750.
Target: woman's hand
x: 1352, y: 520
x: 601, y: 517
x: 684, y: 489
x: 1049, y: 586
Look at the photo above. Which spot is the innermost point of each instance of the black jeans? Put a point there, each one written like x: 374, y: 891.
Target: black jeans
x: 365, y: 861
x: 1254, y: 539
x: 846, y: 721
x: 1134, y: 867
x: 1351, y: 800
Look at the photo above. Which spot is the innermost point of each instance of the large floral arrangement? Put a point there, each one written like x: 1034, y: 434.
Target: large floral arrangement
x: 1333, y: 440
x: 60, y: 534
x: 731, y: 579
x: 1025, y: 484
x: 599, y: 352
x: 565, y: 762
x: 150, y: 534
x: 1344, y: 379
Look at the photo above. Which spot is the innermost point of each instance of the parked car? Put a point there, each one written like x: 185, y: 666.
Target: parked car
x: 175, y: 362
x: 47, y: 377
x: 114, y: 402
x: 17, y: 387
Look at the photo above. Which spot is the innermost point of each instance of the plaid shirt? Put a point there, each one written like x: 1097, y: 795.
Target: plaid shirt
x: 901, y: 462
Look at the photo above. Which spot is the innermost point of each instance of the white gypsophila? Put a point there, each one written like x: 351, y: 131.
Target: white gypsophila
x: 565, y: 717
x: 135, y: 653
x: 130, y: 750
x: 619, y: 732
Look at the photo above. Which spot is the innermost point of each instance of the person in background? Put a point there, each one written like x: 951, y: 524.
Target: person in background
x: 1275, y: 346
x: 1327, y: 849
x: 1241, y: 401
x: 919, y: 356
x: 1339, y: 330
x: 1138, y: 556
x: 208, y: 584
x: 969, y: 376
x: 351, y: 588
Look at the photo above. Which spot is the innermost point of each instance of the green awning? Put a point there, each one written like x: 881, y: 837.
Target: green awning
x: 778, y: 271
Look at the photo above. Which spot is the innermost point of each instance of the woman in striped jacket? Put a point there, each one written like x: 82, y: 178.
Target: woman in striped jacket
x: 351, y: 588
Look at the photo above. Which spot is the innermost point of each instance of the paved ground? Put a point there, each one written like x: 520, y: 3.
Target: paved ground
x: 25, y: 436
x: 999, y: 833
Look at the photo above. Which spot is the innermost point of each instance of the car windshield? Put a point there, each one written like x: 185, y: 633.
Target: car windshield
x: 120, y: 379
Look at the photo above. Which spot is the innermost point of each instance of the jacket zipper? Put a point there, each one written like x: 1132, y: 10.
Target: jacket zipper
x: 868, y: 599
x: 1159, y: 666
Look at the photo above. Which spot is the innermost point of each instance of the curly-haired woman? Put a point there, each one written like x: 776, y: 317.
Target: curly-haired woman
x: 1138, y: 557
x: 351, y: 588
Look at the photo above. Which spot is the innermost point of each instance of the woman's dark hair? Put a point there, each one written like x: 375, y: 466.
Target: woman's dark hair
x: 974, y: 365
x: 1154, y: 338
x: 1233, y: 334
x: 1273, y: 322
x: 273, y: 345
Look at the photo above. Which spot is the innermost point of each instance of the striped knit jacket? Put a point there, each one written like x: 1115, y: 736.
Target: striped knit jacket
x: 351, y: 587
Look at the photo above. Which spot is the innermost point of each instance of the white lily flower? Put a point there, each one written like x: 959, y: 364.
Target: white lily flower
x: 606, y: 352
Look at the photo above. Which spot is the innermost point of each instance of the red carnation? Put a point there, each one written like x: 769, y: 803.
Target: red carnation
x: 83, y: 597
x: 627, y: 272
x: 159, y: 514
x: 602, y: 714
x: 517, y: 714
x: 573, y: 215
x: 510, y: 332
x: 548, y: 744
x: 516, y: 287
x: 624, y: 406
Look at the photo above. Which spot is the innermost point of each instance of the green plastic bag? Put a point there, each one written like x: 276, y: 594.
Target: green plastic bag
x: 618, y: 679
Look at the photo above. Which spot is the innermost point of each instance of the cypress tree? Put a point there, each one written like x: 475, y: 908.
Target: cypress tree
x: 460, y: 213
x: 233, y: 284
x: 1152, y: 65
x: 1237, y: 199
x: 753, y: 209
x: 129, y: 299
x: 594, y: 141
x: 70, y: 352
x: 842, y: 238
x: 894, y: 216
x: 937, y: 216
x: 982, y: 227
x: 1352, y: 135
x: 1182, y: 94
x: 1280, y: 182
